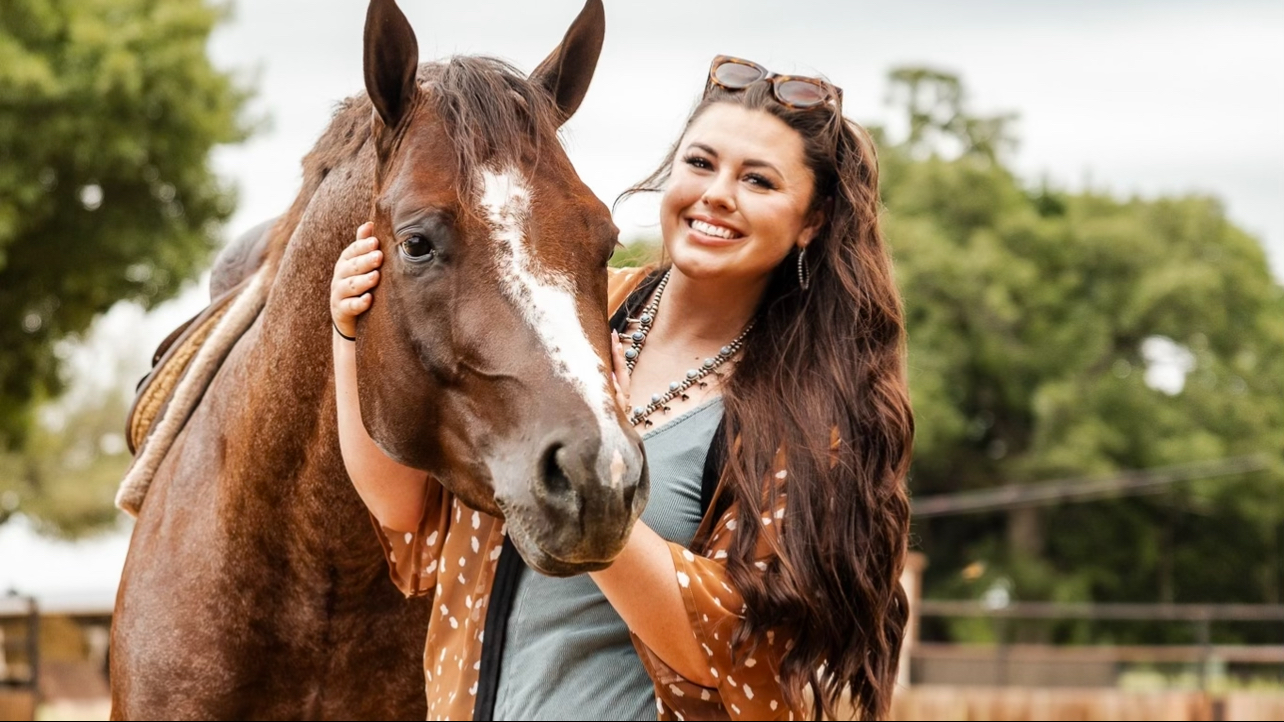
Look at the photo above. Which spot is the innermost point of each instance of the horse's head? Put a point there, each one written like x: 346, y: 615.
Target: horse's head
x: 485, y: 357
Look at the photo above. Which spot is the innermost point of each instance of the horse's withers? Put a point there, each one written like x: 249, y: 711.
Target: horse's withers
x: 485, y: 358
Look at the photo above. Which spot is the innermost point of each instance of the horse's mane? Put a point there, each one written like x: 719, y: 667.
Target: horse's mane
x: 490, y: 111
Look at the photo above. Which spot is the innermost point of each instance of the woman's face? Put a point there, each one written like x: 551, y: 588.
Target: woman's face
x: 737, y: 200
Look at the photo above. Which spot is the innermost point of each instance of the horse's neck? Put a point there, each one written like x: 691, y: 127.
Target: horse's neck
x: 289, y: 370
x: 296, y: 318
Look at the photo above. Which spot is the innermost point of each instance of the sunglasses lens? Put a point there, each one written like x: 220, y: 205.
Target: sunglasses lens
x: 734, y: 75
x: 801, y: 93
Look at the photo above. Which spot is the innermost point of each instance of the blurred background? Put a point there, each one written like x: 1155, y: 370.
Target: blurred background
x: 1085, y: 202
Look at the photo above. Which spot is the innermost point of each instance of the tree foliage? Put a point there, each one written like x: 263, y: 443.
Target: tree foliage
x: 108, y: 112
x: 1042, y: 324
x: 71, y: 464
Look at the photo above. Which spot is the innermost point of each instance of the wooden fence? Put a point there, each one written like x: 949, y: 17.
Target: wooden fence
x: 1017, y: 703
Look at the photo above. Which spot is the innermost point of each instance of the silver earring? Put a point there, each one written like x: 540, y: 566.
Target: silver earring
x: 804, y: 276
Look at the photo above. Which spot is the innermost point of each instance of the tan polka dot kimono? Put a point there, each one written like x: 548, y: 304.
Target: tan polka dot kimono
x: 453, y: 557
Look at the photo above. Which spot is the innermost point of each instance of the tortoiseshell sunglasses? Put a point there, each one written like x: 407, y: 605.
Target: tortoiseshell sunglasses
x: 792, y: 91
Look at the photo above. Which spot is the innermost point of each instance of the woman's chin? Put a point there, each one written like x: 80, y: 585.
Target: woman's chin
x: 703, y: 263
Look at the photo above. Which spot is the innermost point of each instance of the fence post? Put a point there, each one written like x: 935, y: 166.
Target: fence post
x: 1203, y: 633
x: 912, y: 583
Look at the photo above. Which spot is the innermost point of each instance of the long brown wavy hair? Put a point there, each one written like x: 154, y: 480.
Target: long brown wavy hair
x: 822, y: 377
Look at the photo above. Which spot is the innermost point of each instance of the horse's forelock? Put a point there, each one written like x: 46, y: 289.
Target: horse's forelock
x: 490, y: 111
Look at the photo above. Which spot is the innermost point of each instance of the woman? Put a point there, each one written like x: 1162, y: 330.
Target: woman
x: 770, y: 349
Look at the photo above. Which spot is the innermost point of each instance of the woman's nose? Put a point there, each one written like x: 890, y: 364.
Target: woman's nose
x: 721, y: 192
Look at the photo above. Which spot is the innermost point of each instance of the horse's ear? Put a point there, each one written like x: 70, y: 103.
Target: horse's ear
x: 391, y: 61
x: 566, y: 72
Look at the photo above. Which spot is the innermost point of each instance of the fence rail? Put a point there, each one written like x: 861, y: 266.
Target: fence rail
x: 1107, y: 654
x: 1005, y: 663
x: 1142, y: 612
x: 1011, y: 704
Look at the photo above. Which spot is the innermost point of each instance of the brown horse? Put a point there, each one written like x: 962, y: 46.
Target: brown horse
x: 255, y: 586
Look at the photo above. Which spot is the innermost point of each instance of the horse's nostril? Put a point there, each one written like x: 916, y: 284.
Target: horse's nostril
x: 629, y: 491
x: 556, y: 482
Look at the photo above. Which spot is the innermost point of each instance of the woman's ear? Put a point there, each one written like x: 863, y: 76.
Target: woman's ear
x: 816, y: 219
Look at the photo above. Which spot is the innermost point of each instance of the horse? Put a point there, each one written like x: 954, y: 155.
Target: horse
x: 255, y: 586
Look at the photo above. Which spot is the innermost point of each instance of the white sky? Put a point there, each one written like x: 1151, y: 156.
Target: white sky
x: 1140, y: 96
x: 1137, y: 96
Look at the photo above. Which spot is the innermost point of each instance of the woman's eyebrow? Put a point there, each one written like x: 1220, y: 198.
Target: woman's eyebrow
x: 749, y: 162
x: 755, y: 163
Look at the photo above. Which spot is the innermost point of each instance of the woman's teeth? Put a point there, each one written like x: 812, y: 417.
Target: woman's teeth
x: 716, y: 231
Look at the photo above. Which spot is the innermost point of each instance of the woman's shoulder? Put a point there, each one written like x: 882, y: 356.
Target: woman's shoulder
x: 619, y: 275
x: 620, y: 282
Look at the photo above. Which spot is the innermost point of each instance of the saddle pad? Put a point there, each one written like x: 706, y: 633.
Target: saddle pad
x: 178, y: 381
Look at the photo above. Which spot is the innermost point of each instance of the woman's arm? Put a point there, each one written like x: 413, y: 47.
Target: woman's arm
x: 642, y: 585
x: 393, y: 493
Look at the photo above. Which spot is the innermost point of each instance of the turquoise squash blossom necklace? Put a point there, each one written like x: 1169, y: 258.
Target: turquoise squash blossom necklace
x: 677, y: 389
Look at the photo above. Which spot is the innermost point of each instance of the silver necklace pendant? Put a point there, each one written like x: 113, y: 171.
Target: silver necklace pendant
x: 677, y: 389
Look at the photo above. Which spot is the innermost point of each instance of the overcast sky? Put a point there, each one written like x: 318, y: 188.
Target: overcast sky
x: 1141, y: 96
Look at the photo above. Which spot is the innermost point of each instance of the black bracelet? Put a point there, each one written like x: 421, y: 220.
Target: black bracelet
x: 342, y: 335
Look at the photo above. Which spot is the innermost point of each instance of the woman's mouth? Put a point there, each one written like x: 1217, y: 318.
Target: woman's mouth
x: 713, y: 230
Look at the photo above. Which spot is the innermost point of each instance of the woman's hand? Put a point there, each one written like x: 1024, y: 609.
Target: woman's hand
x: 395, y: 494
x: 620, y: 373
x: 354, y: 275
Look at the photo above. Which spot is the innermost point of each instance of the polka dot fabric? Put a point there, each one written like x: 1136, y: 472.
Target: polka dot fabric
x: 452, y: 558
x: 745, y: 690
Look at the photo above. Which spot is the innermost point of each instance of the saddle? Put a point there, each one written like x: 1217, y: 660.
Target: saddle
x: 182, y: 368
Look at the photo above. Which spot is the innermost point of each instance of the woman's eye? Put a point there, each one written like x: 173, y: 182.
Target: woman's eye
x: 760, y: 181
x: 417, y: 248
x: 696, y: 161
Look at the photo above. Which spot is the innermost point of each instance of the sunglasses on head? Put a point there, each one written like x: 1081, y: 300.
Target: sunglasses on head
x: 800, y: 92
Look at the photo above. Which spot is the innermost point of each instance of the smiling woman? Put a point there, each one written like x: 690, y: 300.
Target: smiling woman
x: 770, y: 212
x: 740, y: 197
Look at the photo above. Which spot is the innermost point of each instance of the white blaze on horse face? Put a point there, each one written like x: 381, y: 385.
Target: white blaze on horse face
x: 546, y: 301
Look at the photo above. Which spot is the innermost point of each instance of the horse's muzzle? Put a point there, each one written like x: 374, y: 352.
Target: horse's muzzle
x: 572, y: 509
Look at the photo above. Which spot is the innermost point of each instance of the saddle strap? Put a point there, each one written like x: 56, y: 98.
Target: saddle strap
x: 177, y: 382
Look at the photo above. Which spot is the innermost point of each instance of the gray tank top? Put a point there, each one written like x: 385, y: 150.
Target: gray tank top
x: 567, y: 653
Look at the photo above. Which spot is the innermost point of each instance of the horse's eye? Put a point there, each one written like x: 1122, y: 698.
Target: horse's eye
x: 417, y: 249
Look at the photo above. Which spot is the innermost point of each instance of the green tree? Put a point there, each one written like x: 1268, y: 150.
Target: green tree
x: 1036, y: 318
x: 935, y: 106
x: 66, y: 477
x: 108, y: 112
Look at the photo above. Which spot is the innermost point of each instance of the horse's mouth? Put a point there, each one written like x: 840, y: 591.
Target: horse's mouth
x: 551, y: 566
x: 542, y: 560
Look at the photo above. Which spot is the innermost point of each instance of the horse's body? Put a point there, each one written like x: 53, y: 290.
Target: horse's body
x: 255, y: 586
x: 253, y: 568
